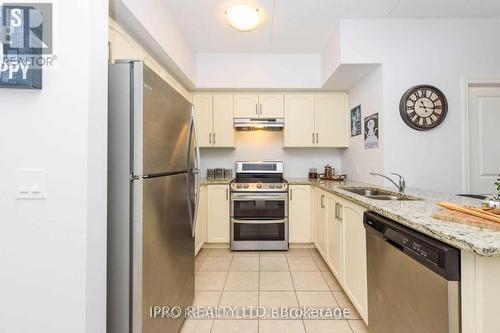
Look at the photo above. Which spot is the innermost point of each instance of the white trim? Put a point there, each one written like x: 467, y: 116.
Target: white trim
x: 466, y: 84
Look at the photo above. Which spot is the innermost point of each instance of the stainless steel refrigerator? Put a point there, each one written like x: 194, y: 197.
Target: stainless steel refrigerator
x: 153, y: 186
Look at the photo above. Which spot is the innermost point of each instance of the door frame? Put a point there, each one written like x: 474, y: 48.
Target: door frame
x: 466, y: 84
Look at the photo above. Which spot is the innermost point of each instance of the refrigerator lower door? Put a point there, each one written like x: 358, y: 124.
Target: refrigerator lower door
x: 163, y: 254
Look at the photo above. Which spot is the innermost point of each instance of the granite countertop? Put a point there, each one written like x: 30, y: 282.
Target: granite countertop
x: 484, y: 241
x: 219, y: 181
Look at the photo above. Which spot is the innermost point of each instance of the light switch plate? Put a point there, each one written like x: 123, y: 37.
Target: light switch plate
x: 31, y: 184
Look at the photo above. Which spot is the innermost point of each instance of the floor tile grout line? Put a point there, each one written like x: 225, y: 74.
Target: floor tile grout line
x: 296, y: 296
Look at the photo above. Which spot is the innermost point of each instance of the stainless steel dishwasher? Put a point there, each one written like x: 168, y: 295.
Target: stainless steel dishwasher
x: 413, y: 280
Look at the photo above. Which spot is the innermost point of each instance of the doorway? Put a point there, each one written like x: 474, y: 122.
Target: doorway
x: 483, y: 141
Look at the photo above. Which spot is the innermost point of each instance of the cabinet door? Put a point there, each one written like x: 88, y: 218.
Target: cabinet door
x: 330, y: 120
x: 218, y: 213
x: 299, y: 212
x: 320, y: 222
x: 299, y: 120
x: 203, y: 113
x: 200, y: 233
x: 223, y: 133
x: 246, y: 106
x: 355, y: 278
x: 335, y: 235
x: 271, y: 106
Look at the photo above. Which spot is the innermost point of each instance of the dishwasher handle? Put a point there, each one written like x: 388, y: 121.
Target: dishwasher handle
x: 433, y: 254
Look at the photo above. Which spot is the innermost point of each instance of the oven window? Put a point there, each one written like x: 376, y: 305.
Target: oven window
x: 259, y: 232
x: 259, y: 209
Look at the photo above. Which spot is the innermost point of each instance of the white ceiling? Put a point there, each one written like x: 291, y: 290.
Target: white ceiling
x: 304, y: 26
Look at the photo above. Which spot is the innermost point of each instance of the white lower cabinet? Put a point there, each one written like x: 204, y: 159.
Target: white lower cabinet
x: 218, y: 214
x: 335, y: 236
x: 354, y: 251
x: 320, y: 215
x: 299, y: 214
x: 200, y: 235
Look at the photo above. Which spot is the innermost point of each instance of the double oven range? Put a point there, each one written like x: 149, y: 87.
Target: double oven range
x: 259, y: 207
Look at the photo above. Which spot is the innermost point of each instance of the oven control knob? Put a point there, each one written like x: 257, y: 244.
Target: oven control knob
x: 271, y: 186
x: 238, y: 186
x: 259, y: 186
x: 278, y: 186
x: 245, y: 186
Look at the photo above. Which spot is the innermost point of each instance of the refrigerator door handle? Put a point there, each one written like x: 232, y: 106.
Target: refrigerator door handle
x: 197, y: 173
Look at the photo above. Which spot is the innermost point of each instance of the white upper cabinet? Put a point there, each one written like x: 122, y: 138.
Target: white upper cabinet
x: 246, y: 106
x: 203, y: 117
x: 223, y: 132
x: 330, y: 120
x: 299, y: 120
x: 316, y: 120
x: 214, y: 119
x: 271, y: 106
x: 258, y: 106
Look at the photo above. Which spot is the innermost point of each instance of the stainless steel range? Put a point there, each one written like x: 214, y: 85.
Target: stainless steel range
x: 259, y: 207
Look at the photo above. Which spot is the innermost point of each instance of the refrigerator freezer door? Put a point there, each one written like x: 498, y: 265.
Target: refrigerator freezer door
x: 162, y: 129
x: 164, y: 248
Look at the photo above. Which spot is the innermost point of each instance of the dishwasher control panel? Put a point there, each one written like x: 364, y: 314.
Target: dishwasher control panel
x: 435, y: 255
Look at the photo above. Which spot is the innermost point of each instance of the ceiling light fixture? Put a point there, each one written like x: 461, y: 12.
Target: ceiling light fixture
x: 243, y: 17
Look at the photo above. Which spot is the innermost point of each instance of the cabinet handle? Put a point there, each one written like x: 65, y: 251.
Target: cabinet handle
x: 291, y: 194
x: 317, y: 138
x: 227, y: 194
x: 340, y: 218
x: 214, y: 138
x: 313, y: 137
x: 261, y: 109
x: 210, y: 137
x: 336, y: 210
x: 257, y: 109
x: 322, y: 201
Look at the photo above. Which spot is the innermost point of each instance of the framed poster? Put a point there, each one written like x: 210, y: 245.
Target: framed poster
x: 371, y: 131
x: 356, y: 121
x: 25, y: 40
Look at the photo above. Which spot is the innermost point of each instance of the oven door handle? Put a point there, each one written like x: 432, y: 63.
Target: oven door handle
x: 246, y: 197
x: 258, y: 221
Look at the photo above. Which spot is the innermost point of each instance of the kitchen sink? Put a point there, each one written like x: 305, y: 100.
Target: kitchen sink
x: 378, y: 194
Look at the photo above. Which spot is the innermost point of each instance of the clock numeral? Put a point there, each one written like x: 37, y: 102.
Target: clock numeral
x: 413, y: 97
x: 411, y: 114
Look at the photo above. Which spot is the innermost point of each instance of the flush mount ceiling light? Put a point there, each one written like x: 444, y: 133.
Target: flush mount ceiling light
x: 243, y: 17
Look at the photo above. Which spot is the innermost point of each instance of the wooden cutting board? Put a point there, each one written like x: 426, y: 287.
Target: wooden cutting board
x: 459, y: 217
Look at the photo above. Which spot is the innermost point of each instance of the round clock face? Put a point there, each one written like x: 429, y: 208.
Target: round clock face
x: 423, y: 107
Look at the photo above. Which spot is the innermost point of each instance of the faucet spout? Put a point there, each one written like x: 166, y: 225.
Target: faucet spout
x: 401, y: 185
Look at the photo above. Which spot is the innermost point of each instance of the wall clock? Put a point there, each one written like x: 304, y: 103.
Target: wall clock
x: 423, y: 107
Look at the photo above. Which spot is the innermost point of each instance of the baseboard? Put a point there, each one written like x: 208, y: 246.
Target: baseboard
x: 301, y: 246
x: 216, y: 246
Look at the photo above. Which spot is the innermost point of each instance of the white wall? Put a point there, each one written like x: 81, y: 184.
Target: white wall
x: 440, y: 52
x: 261, y: 71
x: 266, y: 145
x: 358, y: 162
x: 51, y: 255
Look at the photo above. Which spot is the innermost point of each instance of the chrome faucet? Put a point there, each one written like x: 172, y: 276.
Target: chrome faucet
x: 402, y: 183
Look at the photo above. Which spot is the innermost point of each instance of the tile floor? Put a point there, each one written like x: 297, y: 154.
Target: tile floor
x: 295, y: 278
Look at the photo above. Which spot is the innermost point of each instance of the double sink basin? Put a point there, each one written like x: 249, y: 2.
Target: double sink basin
x: 378, y: 194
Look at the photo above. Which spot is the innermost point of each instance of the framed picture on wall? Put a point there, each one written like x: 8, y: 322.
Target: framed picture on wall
x: 356, y: 121
x: 371, y: 133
